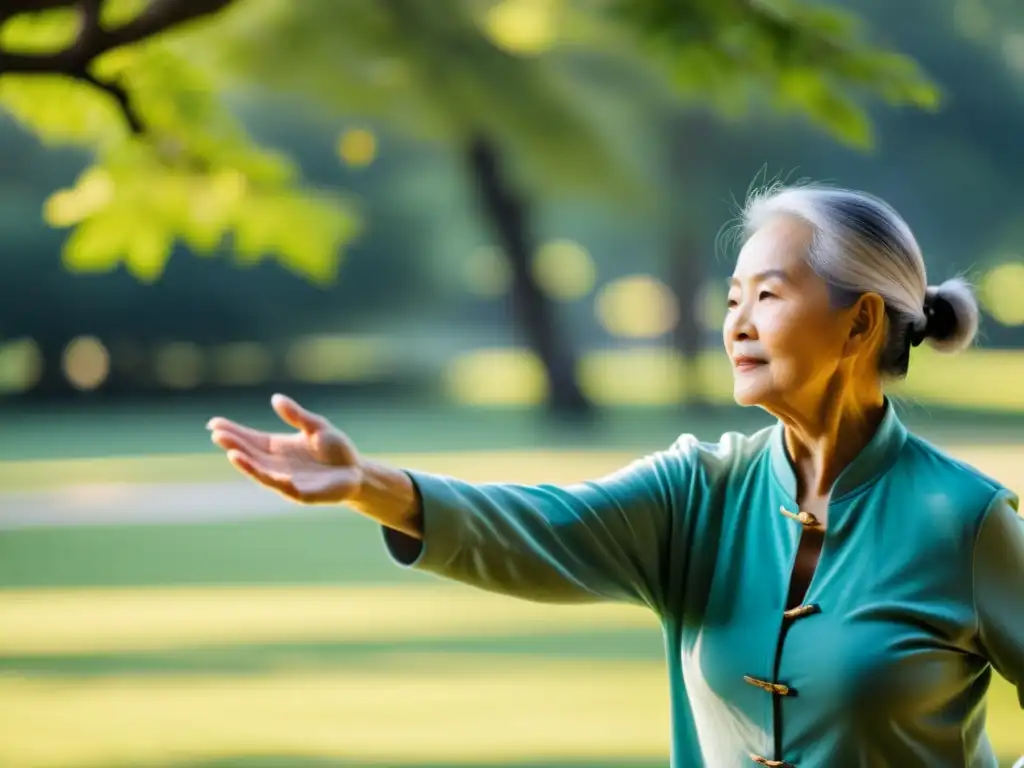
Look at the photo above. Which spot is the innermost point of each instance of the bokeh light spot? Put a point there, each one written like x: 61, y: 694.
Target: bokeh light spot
x: 86, y: 363
x: 21, y: 365
x: 637, y: 307
x: 497, y: 377
x: 522, y: 26
x: 1001, y: 290
x: 357, y: 147
x: 564, y: 270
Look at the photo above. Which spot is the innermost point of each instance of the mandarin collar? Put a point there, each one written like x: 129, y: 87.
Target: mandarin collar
x: 871, y: 463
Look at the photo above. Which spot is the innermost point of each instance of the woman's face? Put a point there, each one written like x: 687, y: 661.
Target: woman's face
x: 783, y: 337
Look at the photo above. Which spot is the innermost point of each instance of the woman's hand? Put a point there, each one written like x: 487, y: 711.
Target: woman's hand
x: 317, y: 464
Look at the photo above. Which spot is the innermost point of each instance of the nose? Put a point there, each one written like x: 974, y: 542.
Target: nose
x: 738, y: 325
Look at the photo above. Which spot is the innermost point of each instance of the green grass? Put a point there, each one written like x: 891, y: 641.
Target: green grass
x: 324, y: 551
x: 294, y: 643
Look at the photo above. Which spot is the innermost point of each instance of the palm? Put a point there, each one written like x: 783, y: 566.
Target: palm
x: 296, y: 452
x: 318, y: 463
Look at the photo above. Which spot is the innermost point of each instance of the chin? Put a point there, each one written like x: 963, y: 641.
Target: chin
x: 747, y: 402
x: 747, y: 396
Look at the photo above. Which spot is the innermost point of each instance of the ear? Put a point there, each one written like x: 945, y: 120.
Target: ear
x: 867, y: 324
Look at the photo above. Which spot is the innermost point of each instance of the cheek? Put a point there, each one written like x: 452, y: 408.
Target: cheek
x: 779, y: 330
x: 800, y: 340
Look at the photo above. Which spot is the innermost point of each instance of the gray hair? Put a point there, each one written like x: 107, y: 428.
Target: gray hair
x: 862, y: 245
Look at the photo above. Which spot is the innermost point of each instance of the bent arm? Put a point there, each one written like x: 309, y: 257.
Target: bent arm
x: 999, y: 589
x: 604, y: 540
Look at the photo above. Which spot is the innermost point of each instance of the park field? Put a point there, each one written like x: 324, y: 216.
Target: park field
x: 289, y: 640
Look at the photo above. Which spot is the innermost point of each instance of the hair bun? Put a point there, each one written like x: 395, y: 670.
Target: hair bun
x: 952, y: 316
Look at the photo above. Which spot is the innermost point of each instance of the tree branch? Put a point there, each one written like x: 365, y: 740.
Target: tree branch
x: 93, y: 40
x: 120, y: 95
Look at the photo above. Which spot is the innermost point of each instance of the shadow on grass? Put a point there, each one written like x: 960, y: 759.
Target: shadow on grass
x: 255, y: 659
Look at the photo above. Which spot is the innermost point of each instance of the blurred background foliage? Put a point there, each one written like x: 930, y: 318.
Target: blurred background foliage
x: 498, y: 203
x: 428, y: 220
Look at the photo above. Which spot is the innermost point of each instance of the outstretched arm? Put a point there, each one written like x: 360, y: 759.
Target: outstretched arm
x: 607, y: 539
x: 601, y: 540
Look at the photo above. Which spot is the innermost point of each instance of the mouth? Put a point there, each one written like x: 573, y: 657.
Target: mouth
x: 744, y: 364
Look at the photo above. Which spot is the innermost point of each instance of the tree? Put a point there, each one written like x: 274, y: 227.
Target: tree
x: 142, y: 85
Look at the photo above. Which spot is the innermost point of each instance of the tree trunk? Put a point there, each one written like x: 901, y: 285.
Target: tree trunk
x: 508, y: 213
x: 690, y: 133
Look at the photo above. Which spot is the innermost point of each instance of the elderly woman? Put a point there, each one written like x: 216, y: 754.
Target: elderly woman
x: 833, y: 590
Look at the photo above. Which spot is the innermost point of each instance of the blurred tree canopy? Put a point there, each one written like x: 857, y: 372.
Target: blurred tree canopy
x: 520, y: 87
x: 140, y: 84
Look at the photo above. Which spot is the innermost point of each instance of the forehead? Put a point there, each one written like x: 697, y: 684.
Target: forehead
x: 780, y: 244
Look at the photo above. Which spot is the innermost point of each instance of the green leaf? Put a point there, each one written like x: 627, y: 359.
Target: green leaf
x: 306, y: 232
x: 60, y: 111
x: 147, y: 252
x: 97, y: 245
x: 42, y: 32
x: 806, y: 56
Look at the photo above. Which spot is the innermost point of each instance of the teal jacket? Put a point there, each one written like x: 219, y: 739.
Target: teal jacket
x: 917, y: 597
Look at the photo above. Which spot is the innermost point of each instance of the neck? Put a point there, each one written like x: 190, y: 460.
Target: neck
x: 822, y: 441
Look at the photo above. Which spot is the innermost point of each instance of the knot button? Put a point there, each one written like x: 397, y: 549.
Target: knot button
x: 771, y: 763
x: 804, y: 518
x: 779, y: 688
x: 800, y: 611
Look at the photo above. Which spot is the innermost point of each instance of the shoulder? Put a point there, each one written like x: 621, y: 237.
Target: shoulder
x: 928, y: 459
x: 934, y: 471
x: 732, y: 452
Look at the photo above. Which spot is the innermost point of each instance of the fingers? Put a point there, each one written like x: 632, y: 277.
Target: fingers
x: 254, y: 437
x: 231, y: 441
x: 295, y: 415
x: 278, y: 481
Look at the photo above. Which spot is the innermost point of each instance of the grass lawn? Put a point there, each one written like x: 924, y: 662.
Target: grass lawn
x: 292, y: 643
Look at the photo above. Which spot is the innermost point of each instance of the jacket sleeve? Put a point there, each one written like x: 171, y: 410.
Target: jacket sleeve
x: 999, y: 589
x: 603, y: 540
